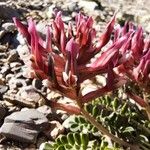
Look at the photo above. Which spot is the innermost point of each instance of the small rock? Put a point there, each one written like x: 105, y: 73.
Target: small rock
x: 2, y: 80
x: 27, y: 96
x: 3, y: 48
x: 40, y: 141
x: 13, y: 56
x: 2, y: 33
x: 64, y: 117
x: 41, y: 28
x: 21, y: 40
x: 38, y: 5
x: 9, y: 76
x: 55, y: 130
x: 90, y: 5
x: 2, y: 112
x: 24, y: 126
x: 23, y: 52
x: 36, y: 83
x: 8, y: 26
x: 3, y: 55
x: 50, y: 12
x: 12, y: 109
x: 7, y: 12
x: 5, y: 70
x: 66, y: 19
x: 31, y: 147
x: 28, y: 81
x: 19, y: 74
x: 3, y: 89
x: 14, y: 83
x: 46, y: 110
x: 53, y: 95
x: 15, y: 64
x: 16, y: 69
x: 72, y: 6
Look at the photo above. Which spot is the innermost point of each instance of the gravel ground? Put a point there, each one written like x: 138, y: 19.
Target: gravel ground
x: 18, y: 95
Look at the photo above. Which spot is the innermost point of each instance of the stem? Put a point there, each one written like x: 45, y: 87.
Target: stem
x: 102, y: 129
x: 147, y: 109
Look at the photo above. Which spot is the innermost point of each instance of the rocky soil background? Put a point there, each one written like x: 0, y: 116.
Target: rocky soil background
x: 25, y: 119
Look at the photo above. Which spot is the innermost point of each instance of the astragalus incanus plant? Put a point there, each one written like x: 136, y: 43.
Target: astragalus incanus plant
x: 63, y: 59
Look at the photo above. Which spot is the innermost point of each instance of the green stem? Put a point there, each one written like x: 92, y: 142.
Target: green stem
x: 103, y: 130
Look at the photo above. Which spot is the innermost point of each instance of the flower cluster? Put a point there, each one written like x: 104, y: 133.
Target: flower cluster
x: 64, y: 57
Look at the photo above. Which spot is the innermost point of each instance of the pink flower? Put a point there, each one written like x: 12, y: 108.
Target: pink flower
x: 64, y: 58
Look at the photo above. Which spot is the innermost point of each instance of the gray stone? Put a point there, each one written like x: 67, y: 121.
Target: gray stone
x: 15, y: 64
x: 5, y: 70
x: 24, y: 126
x: 28, y: 93
x: 8, y: 12
x: 55, y: 130
x: 9, y: 76
x: 3, y: 48
x: 37, y: 83
x: 3, y: 89
x: 40, y: 141
x: 41, y: 29
x: 2, y: 111
x: 3, y: 55
x: 19, y: 74
x: 23, y: 52
x: 46, y: 110
x: 90, y: 5
x: 16, y: 69
x: 72, y: 6
x: 2, y: 80
x: 8, y: 26
x: 50, y: 11
x: 2, y: 33
x: 14, y: 83
x: 13, y: 56
x: 26, y: 97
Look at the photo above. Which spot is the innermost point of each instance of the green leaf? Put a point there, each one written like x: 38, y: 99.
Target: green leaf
x: 144, y: 138
x: 47, y: 146
x: 63, y: 139
x: 82, y: 120
x: 77, y: 120
x: 58, y: 141
x: 115, y: 103
x: 74, y: 127
x: 89, y: 108
x: 70, y: 138
x: 95, y: 111
x: 124, y: 109
x: 77, y: 138
x: 61, y: 148
x: 103, y: 145
x: 129, y: 130
x: 67, y: 146
x: 108, y: 100
x: 84, y: 139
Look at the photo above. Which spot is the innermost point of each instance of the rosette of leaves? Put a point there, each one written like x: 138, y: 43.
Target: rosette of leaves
x: 121, y: 118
